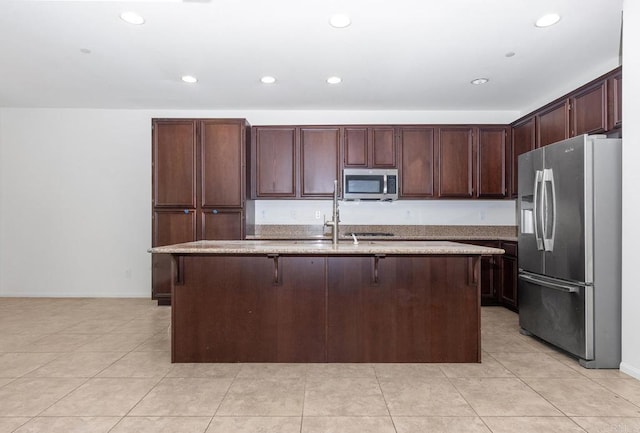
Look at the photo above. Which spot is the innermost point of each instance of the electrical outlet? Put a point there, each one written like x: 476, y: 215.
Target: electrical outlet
x: 318, y: 214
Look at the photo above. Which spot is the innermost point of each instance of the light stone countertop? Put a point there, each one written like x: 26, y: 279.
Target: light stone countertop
x: 400, y: 233
x: 323, y: 247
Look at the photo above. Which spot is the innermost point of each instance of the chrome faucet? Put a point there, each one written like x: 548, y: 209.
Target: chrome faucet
x: 336, y: 215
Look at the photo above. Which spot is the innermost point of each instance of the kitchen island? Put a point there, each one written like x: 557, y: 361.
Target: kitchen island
x: 312, y: 301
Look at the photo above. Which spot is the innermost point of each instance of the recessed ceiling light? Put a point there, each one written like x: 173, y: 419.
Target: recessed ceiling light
x: 334, y: 80
x: 189, y: 79
x: 548, y: 20
x: 132, y: 17
x: 480, y: 81
x: 267, y: 79
x: 340, y: 21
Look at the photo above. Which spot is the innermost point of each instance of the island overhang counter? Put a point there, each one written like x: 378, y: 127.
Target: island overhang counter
x: 313, y: 301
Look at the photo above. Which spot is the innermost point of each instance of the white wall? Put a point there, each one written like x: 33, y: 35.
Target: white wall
x: 402, y: 212
x: 630, y: 196
x: 76, y: 194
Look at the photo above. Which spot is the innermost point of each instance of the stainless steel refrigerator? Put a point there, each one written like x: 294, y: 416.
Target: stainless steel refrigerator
x: 569, y: 247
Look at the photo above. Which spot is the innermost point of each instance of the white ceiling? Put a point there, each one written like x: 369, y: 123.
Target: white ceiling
x: 396, y: 55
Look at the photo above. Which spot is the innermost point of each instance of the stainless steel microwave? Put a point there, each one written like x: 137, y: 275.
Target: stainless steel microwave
x: 370, y: 184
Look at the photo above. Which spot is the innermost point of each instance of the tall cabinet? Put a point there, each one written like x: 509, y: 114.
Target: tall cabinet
x: 199, y: 187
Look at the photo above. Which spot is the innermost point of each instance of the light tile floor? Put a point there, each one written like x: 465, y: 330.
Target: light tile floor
x: 103, y: 365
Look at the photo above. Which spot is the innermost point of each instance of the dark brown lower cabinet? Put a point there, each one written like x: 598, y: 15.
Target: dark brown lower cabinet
x: 499, y: 275
x: 325, y: 309
x: 509, y: 286
x: 490, y: 278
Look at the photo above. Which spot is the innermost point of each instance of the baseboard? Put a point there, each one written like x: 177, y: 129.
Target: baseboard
x: 630, y: 370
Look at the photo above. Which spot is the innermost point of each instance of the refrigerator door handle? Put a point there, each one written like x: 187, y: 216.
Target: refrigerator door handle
x: 536, y: 210
x: 549, y: 199
x: 551, y: 285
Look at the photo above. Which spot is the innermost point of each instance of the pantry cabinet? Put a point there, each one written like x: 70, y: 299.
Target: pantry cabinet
x: 198, y: 184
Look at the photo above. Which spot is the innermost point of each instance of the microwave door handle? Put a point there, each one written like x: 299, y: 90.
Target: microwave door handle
x: 550, y: 201
x: 536, y: 210
x: 384, y: 185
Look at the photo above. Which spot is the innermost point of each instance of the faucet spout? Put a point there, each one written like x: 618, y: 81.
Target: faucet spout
x: 334, y: 223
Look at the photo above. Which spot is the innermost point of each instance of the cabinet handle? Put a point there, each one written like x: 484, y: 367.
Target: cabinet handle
x: 215, y: 211
x: 186, y: 211
x: 276, y: 268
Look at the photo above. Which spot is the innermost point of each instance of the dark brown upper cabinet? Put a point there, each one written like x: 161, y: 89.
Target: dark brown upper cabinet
x: 274, y: 156
x: 319, y: 160
x: 615, y: 100
x: 416, y: 171
x: 523, y: 139
x: 369, y: 147
x: 291, y: 162
x: 552, y: 123
x: 492, y: 162
x: 589, y: 110
x: 174, y: 163
x: 455, y: 152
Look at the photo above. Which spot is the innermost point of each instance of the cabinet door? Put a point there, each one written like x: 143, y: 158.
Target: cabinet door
x: 223, y: 163
x: 589, y: 110
x: 553, y: 124
x: 222, y: 224
x: 169, y: 227
x: 319, y: 156
x: 383, y: 147
x: 356, y: 142
x: 455, y: 162
x: 615, y: 100
x: 174, y: 163
x: 523, y: 139
x: 274, y: 156
x: 416, y: 162
x: 509, y: 292
x: 492, y: 162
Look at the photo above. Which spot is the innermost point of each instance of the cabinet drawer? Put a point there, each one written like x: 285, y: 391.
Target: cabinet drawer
x: 510, y: 248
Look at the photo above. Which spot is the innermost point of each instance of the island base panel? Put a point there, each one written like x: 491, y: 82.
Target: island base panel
x: 326, y: 309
